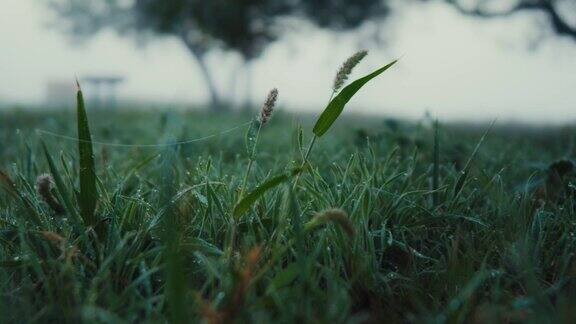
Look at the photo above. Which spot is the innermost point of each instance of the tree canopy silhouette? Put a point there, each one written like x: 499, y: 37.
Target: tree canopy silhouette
x: 561, y: 14
x: 246, y: 27
x: 243, y: 26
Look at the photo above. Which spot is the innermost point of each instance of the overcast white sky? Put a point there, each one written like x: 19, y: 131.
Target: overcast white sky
x: 455, y: 67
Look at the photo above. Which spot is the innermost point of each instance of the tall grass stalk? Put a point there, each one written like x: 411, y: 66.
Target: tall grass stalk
x: 342, y: 75
x: 251, y: 158
x: 436, y: 166
x: 252, y: 144
x: 263, y: 119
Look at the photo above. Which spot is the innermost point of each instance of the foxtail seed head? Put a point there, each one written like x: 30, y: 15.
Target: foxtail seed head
x: 346, y: 69
x: 268, y: 107
x: 44, y: 184
x: 336, y: 216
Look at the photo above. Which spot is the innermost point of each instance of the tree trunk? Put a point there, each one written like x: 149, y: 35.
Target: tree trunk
x: 248, y: 85
x: 233, y: 88
x: 199, y: 56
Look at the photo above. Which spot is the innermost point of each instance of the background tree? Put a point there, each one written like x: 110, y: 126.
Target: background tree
x: 249, y: 26
x: 561, y: 14
x: 246, y: 27
x: 341, y: 15
x: 243, y: 26
x: 176, y: 18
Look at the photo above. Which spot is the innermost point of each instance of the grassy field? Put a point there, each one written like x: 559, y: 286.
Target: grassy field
x: 391, y: 221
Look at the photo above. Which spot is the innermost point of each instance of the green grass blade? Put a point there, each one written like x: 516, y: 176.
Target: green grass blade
x: 436, y: 167
x: 171, y: 235
x: 336, y: 105
x: 10, y: 188
x: 294, y: 214
x: 244, y: 205
x: 464, y: 173
x: 8, y: 184
x: 88, y: 192
x: 61, y: 188
x: 251, y: 135
x: 284, y: 277
x: 459, y: 305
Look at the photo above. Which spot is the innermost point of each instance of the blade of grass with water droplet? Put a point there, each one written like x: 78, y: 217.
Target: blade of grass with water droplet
x: 251, y: 134
x: 336, y: 105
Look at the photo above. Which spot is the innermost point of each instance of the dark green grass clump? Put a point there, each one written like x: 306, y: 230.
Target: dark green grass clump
x: 385, y: 226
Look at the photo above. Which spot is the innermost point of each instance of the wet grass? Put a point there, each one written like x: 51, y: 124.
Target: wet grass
x: 390, y: 221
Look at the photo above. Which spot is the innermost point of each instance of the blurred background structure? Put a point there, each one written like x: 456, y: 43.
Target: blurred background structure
x: 476, y: 59
x: 59, y: 93
x: 103, y: 89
